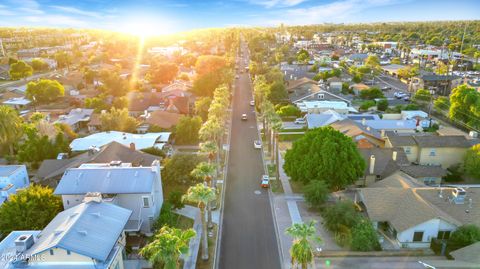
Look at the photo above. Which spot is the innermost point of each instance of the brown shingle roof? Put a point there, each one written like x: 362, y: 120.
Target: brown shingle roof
x: 163, y: 119
x: 292, y: 84
x: 419, y: 171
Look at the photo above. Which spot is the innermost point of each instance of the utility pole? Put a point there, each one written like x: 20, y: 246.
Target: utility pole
x: 1, y: 47
x: 461, y: 46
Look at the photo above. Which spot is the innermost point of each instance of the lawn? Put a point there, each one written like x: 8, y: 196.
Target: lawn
x: 290, y: 137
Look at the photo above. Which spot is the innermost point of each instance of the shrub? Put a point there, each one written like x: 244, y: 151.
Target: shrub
x: 316, y: 193
x: 175, y: 199
x: 382, y: 105
x: 364, y: 237
x: 465, y: 235
x: 367, y: 104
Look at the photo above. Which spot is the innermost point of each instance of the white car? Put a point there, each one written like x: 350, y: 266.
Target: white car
x: 244, y: 116
x: 299, y: 121
x: 265, y: 183
x: 257, y: 144
x: 252, y: 103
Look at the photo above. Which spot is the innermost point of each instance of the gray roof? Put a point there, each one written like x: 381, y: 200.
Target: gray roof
x: 438, y: 77
x: 322, y: 119
x: 397, y: 180
x: 401, y: 140
x: 468, y: 253
x: 392, y: 124
x: 76, y: 115
x: 446, y: 141
x: 108, y: 179
x: 113, y: 151
x: 384, y: 164
x: 90, y: 229
x: 7, y: 170
x: 419, y: 171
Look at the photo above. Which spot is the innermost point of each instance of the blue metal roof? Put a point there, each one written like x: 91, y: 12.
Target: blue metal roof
x: 109, y: 180
x: 7, y: 170
x: 89, y: 229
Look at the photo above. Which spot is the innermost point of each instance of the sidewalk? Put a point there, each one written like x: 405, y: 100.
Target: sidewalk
x: 193, y: 213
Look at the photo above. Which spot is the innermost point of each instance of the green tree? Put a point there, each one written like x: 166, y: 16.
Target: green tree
x: 44, y: 90
x: 422, y: 95
x: 163, y: 72
x: 186, y: 131
x: 324, y: 154
x: 289, y: 111
x: 341, y: 215
x: 441, y: 104
x: 472, y: 162
x: 63, y: 59
x: 39, y: 65
x: 395, y: 60
x: 118, y: 120
x: 202, y: 105
x: 167, y: 246
x: 37, y: 205
x: 96, y: 103
x: 113, y: 84
x: 205, y: 85
x: 10, y: 127
x: 464, y: 104
x: 382, y: 104
x: 20, y: 70
x: 277, y: 92
x: 205, y: 171
x: 202, y: 195
x: 364, y: 236
x: 120, y: 102
x: 209, y: 64
x: 177, y: 169
x: 371, y: 94
x: 367, y: 104
x: 304, y: 236
x: 441, y: 68
x: 465, y: 235
x: 372, y: 61
x: 303, y: 56
x: 316, y: 193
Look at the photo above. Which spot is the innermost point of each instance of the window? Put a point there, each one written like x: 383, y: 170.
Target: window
x: 146, y: 201
x: 408, y: 150
x: 51, y: 251
x: 433, y: 152
x: 443, y: 234
x: 321, y: 96
x: 417, y: 236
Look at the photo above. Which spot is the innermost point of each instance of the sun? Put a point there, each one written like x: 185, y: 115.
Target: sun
x: 144, y: 27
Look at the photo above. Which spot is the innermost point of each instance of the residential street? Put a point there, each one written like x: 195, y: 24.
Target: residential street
x: 248, y: 234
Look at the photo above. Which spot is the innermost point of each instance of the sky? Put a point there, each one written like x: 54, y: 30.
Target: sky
x: 169, y: 16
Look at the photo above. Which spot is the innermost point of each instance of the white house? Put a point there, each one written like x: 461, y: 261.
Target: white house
x: 413, y: 215
x: 12, y: 177
x: 89, y: 235
x: 140, y: 141
x: 138, y: 189
x: 76, y: 118
x: 310, y: 107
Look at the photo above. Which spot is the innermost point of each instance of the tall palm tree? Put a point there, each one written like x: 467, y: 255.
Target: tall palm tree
x: 10, y: 127
x: 210, y: 148
x: 304, y: 235
x: 167, y: 246
x: 202, y: 195
x: 205, y: 171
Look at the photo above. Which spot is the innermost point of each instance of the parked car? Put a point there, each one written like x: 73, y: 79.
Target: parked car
x: 400, y: 95
x: 406, y: 98
x: 257, y: 144
x: 244, y: 116
x: 386, y: 88
x: 252, y: 103
x: 265, y: 183
x: 300, y: 121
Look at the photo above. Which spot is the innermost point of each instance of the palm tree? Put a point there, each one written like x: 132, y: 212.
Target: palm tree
x: 10, y: 127
x: 304, y: 235
x: 210, y: 148
x: 167, y: 246
x: 205, y: 171
x: 202, y: 195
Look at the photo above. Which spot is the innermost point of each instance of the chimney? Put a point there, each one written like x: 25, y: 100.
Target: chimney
x: 372, y: 164
x: 92, y: 197
x: 382, y: 133
x: 364, y: 121
x: 132, y: 146
x: 23, y: 242
x: 394, y: 156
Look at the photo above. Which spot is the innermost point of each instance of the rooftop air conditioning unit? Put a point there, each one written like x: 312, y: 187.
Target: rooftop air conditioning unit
x: 23, y: 242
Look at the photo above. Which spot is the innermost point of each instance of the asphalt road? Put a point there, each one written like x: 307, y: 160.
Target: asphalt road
x: 248, y: 233
x: 373, y: 262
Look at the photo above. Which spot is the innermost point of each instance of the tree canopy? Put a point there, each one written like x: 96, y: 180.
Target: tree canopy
x: 45, y: 90
x: 163, y: 72
x: 177, y: 169
x: 19, y: 70
x: 464, y: 104
x: 324, y: 154
x: 186, y: 131
x: 472, y: 162
x: 209, y: 64
x: 37, y: 205
x: 118, y: 120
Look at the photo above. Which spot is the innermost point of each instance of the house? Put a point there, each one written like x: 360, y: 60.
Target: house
x: 396, y: 126
x: 381, y: 163
x: 176, y: 100
x: 138, y: 189
x: 359, y: 87
x: 392, y: 69
x: 363, y: 136
x: 334, y: 84
x: 439, y: 84
x: 77, y: 118
x: 88, y: 235
x: 162, y: 119
x: 428, y: 174
x: 17, y: 103
x: 412, y: 216
x: 318, y: 95
x: 313, y: 107
x: 358, y: 58
x: 443, y: 151
x: 300, y: 87
x: 465, y: 258
x: 141, y: 141
x: 95, y: 124
x: 51, y: 170
x: 12, y: 178
x: 323, y: 119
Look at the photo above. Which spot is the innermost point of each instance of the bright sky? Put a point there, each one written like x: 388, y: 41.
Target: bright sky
x: 167, y: 16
